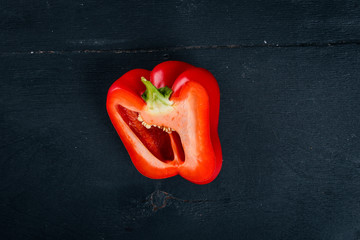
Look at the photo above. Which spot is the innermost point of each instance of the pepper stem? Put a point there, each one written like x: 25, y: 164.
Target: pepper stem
x: 157, y: 99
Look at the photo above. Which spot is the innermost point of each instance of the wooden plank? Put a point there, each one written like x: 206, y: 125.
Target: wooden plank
x: 107, y: 25
x: 289, y: 127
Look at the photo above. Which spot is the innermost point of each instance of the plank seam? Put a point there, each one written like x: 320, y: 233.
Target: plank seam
x: 179, y: 48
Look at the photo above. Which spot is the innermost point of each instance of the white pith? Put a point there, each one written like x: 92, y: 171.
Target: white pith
x: 148, y: 126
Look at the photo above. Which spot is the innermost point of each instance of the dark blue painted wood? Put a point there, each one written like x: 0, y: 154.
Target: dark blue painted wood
x: 94, y: 24
x: 289, y: 122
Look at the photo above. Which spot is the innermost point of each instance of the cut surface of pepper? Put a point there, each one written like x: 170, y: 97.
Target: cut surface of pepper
x: 167, y: 119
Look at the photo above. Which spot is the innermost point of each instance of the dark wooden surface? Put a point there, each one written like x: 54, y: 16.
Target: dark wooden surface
x: 289, y: 75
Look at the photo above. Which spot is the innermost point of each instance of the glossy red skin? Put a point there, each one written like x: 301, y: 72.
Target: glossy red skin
x: 183, y: 78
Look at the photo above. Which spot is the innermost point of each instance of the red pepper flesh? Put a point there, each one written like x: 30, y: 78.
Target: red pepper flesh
x: 166, y: 136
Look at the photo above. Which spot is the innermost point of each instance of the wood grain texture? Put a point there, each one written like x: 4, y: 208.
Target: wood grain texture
x: 49, y: 25
x: 289, y: 127
x: 289, y: 119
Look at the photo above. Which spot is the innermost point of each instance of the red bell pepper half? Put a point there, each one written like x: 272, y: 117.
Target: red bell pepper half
x: 167, y: 119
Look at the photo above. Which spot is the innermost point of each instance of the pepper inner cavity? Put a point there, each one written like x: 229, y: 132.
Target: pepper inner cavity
x: 177, y: 145
x: 156, y: 141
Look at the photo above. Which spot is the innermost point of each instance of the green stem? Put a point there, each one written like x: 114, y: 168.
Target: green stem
x: 156, y: 98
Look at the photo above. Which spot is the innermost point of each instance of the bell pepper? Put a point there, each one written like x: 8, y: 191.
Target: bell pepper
x: 167, y: 119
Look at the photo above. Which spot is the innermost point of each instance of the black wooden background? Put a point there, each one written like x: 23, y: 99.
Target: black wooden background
x: 289, y: 75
